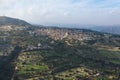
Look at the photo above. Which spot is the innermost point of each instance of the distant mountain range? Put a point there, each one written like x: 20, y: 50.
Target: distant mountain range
x: 115, y: 29
x: 107, y: 29
x: 7, y: 23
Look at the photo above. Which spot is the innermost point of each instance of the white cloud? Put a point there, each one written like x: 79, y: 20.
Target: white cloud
x: 63, y: 11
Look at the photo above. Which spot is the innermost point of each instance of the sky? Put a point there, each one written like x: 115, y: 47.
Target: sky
x: 79, y: 12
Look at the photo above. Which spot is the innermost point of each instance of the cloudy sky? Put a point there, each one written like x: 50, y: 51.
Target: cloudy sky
x: 45, y: 12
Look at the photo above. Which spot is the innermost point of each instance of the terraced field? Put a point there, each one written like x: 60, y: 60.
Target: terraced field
x: 64, y: 62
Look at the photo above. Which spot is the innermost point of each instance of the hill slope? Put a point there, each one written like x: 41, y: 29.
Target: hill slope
x: 7, y: 24
x: 12, y: 21
x: 58, y: 53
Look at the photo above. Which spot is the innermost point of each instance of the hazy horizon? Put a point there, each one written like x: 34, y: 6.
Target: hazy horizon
x: 60, y: 12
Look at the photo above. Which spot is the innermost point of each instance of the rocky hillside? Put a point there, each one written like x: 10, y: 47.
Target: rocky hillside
x: 7, y: 24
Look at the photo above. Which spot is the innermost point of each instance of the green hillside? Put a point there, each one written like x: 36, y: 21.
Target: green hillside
x: 59, y: 54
